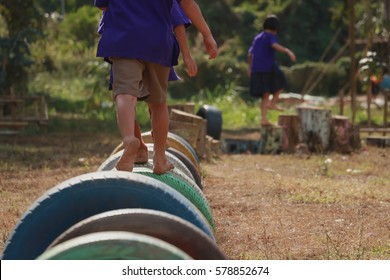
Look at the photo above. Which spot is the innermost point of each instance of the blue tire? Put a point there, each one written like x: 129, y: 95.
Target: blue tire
x: 90, y: 194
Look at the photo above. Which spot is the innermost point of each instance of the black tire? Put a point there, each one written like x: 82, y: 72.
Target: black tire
x: 114, y: 245
x: 91, y: 194
x: 166, y: 227
x: 214, y: 120
x: 191, y: 167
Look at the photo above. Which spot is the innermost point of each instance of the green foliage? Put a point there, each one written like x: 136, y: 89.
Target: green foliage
x: 62, y: 64
x: 334, y: 78
x: 78, y: 29
x: 22, y: 26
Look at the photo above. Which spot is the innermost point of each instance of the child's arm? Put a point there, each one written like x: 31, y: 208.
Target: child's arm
x: 250, y: 58
x: 101, y: 4
x: 192, y: 11
x: 190, y: 63
x: 282, y: 49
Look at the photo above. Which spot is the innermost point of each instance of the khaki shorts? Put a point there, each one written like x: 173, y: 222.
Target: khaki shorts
x: 145, y: 80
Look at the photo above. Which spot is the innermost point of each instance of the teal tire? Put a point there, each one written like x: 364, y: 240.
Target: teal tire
x: 90, y: 194
x: 114, y: 245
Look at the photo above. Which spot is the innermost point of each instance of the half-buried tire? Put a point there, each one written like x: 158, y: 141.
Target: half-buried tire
x: 114, y: 245
x: 214, y: 120
x: 166, y: 227
x: 84, y: 196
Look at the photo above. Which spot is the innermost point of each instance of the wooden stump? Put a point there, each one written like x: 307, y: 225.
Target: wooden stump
x: 271, y: 139
x: 291, y: 130
x: 315, y: 128
x: 191, y: 127
x: 187, y: 107
x: 379, y: 141
x: 342, y: 135
x: 213, y: 148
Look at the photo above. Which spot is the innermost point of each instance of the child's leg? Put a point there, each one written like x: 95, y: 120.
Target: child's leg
x: 125, y: 105
x: 160, y: 125
x: 263, y: 108
x: 142, y: 154
x: 272, y: 104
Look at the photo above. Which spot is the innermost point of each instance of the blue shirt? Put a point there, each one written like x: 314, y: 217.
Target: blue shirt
x: 138, y: 30
x: 263, y: 55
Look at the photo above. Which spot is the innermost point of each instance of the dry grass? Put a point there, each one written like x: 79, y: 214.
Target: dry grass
x: 265, y: 207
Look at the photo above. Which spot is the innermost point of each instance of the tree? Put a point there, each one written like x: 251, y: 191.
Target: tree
x: 23, y: 20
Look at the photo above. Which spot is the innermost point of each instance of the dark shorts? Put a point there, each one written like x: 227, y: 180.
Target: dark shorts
x: 267, y: 82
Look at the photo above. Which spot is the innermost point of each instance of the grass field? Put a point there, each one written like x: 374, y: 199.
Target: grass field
x: 264, y: 206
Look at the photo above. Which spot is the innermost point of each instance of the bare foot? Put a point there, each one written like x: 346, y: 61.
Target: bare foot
x: 266, y: 123
x: 142, y: 156
x: 275, y: 107
x: 162, y: 168
x: 126, y: 161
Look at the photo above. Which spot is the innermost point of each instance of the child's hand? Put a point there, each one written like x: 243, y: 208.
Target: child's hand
x: 291, y: 55
x: 191, y: 66
x: 211, y: 46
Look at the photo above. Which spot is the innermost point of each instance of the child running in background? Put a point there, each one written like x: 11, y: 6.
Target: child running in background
x: 265, y: 75
x: 138, y: 39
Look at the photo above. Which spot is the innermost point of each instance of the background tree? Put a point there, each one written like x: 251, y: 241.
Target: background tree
x: 23, y: 25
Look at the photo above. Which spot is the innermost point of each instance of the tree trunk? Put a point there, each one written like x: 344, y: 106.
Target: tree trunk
x: 315, y: 128
x: 271, y: 139
x: 291, y: 128
x: 343, y: 136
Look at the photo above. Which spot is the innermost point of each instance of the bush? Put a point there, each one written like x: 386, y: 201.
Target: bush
x: 334, y: 78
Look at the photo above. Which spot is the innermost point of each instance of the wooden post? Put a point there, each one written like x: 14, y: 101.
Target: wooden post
x: 187, y: 107
x: 191, y: 127
x: 291, y: 129
x: 385, y: 109
x: 315, y: 128
x: 271, y: 139
x: 344, y: 138
x: 352, y: 50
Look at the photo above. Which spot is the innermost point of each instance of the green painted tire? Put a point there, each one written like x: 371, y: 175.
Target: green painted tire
x: 191, y: 192
x: 114, y: 245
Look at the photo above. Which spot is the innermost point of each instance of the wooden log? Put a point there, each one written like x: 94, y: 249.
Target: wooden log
x: 187, y: 107
x: 342, y: 135
x: 271, y: 139
x: 213, y: 148
x: 378, y: 141
x: 198, y: 126
x: 188, y: 131
x: 291, y: 132
x: 315, y: 127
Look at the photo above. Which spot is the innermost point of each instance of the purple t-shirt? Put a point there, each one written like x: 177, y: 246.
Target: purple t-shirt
x: 139, y: 30
x: 263, y: 55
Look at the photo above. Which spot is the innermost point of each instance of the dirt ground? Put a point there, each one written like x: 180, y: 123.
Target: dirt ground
x: 264, y: 206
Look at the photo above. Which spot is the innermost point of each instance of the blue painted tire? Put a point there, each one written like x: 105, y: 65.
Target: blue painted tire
x: 166, y: 227
x: 114, y: 245
x: 90, y: 194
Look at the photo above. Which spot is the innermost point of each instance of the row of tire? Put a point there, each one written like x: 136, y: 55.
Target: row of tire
x: 111, y: 214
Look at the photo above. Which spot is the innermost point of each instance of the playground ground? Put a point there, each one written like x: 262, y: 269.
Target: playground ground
x: 265, y: 206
